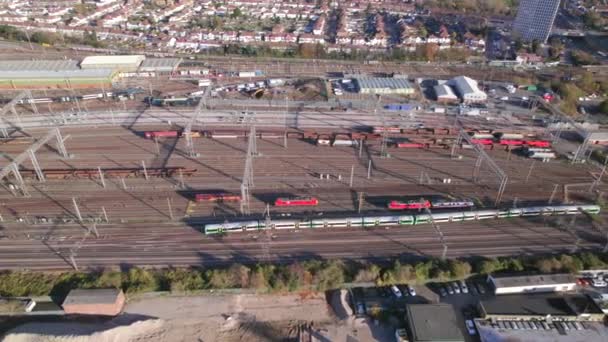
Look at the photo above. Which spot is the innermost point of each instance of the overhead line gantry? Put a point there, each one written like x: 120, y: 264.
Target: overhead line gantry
x: 481, y: 156
x: 13, y: 167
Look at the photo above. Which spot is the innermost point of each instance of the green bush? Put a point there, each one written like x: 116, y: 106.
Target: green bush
x: 315, y: 274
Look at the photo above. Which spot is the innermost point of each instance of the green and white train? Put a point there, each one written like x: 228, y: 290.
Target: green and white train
x: 399, y: 220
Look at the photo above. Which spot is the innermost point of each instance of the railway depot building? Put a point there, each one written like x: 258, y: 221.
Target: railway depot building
x: 105, y: 302
x: 467, y: 89
x: 51, y: 74
x: 383, y: 85
x: 445, y: 94
x: 123, y: 63
x: 532, y: 283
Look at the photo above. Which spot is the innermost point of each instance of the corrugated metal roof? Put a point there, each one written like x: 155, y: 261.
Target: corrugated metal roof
x: 135, y: 60
x: 466, y: 85
x: 444, y: 90
x: 91, y: 296
x: 21, y: 65
x: 153, y: 64
x: 42, y: 74
x: 603, y: 136
x: 382, y: 83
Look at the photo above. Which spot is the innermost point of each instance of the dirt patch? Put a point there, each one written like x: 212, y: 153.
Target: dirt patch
x: 214, y: 317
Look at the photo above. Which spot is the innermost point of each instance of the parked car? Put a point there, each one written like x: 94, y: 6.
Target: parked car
x: 598, y: 282
x: 361, y: 309
x: 470, y: 327
x: 473, y: 289
x: 442, y: 291
x: 449, y: 289
x: 456, y: 287
x: 463, y: 287
x: 411, y: 290
x: 396, y: 291
x: 480, y: 288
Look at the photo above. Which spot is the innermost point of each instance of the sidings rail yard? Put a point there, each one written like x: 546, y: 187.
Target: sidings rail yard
x: 138, y: 182
x: 154, y: 219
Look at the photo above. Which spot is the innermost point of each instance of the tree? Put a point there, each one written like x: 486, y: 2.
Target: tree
x: 603, y: 107
x: 587, y: 83
x: 236, y: 13
x: 489, y: 266
x: 459, y: 269
x: 430, y: 51
x: 535, y: 46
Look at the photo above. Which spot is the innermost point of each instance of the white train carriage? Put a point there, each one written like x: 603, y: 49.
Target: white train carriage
x: 486, y: 214
x: 281, y: 224
x: 442, y: 217
x: 377, y: 221
x: 345, y: 142
x: 218, y: 228
x: 331, y: 223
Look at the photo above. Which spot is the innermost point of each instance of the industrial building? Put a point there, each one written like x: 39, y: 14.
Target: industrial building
x: 532, y: 283
x: 56, y: 79
x: 534, y: 19
x: 597, y: 137
x: 467, y: 89
x: 539, y: 306
x: 106, y: 302
x: 160, y: 66
x: 39, y: 65
x: 444, y: 93
x: 122, y: 63
x: 433, y: 322
x: 384, y: 85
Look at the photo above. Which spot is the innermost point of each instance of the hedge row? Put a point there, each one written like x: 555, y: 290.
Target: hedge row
x: 311, y: 275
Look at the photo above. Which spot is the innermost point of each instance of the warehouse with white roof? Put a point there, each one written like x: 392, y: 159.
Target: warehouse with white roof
x: 467, y: 89
x: 126, y: 63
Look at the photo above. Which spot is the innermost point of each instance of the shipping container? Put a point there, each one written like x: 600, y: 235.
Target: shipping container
x: 275, y: 82
x: 531, y: 88
x: 246, y: 74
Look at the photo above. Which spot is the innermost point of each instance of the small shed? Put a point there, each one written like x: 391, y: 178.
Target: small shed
x: 107, y: 302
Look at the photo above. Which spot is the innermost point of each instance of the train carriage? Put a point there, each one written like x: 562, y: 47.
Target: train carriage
x: 486, y: 214
x: 376, y: 221
x: 403, y: 205
x: 296, y: 202
x: 442, y: 204
x: 281, y: 224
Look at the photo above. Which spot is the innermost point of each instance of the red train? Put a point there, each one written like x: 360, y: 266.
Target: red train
x: 538, y: 143
x: 512, y: 142
x: 169, y: 134
x: 401, y: 205
x: 410, y: 145
x: 296, y: 202
x: 217, y: 197
x: 482, y: 141
x: 161, y: 134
